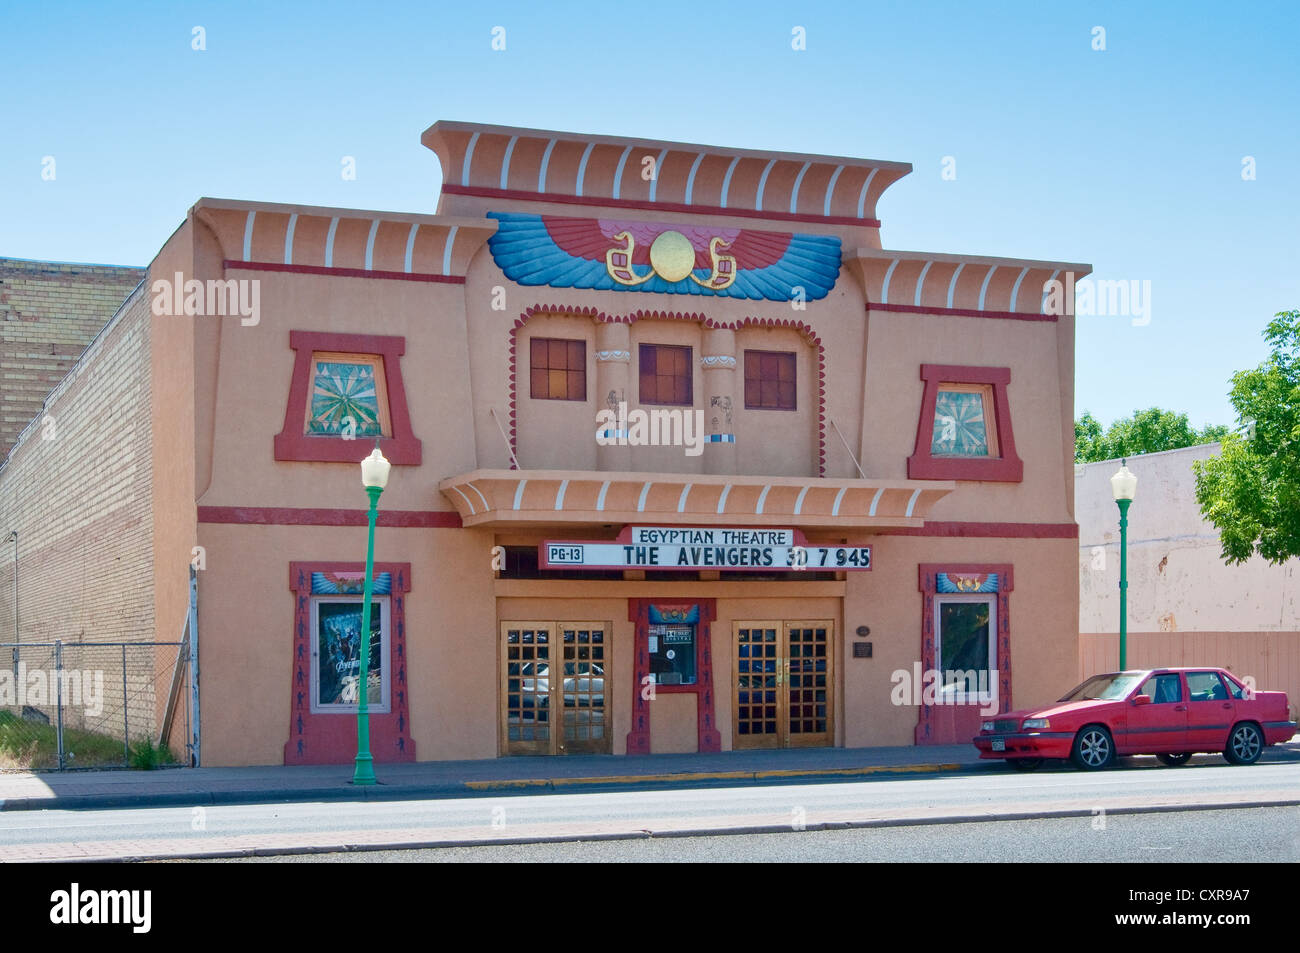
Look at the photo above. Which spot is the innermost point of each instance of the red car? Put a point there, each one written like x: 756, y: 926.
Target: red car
x: 1171, y: 713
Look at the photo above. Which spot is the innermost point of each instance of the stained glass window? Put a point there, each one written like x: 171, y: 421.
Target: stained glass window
x: 962, y: 427
x: 348, y: 396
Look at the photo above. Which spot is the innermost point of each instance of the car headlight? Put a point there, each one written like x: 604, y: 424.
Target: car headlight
x: 986, y: 726
x: 1035, y: 724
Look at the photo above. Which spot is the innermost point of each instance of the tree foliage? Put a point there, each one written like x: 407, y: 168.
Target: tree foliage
x: 1147, y: 431
x: 1251, y: 490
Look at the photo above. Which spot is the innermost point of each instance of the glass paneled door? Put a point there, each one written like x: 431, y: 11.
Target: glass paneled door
x: 553, y: 688
x: 784, y: 694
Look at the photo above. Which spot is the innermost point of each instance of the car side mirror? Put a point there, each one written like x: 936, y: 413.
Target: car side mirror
x: 1142, y: 699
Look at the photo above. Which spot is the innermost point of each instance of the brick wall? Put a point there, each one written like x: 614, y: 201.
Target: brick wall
x: 78, y: 486
x: 49, y: 312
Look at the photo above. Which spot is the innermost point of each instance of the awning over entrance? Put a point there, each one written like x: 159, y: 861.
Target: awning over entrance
x: 520, y: 497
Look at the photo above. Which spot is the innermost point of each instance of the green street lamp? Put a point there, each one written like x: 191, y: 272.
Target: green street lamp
x: 1123, y: 486
x: 374, y: 477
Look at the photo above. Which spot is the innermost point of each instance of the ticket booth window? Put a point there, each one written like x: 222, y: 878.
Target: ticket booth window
x: 672, y: 653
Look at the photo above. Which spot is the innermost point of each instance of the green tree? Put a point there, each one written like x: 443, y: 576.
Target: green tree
x: 1147, y: 431
x: 1251, y: 490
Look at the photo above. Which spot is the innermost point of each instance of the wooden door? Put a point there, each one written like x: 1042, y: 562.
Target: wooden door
x: 784, y: 684
x: 553, y: 687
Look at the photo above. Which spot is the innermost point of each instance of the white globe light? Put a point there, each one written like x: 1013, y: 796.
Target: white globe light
x: 374, y: 470
x: 1124, y: 483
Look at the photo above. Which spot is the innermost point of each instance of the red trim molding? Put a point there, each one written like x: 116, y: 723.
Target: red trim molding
x: 957, y: 724
x: 961, y: 312
x: 332, y: 738
x: 303, y: 516
x: 402, y: 448
x: 922, y: 465
x: 601, y: 317
x: 708, y: 736
x: 518, y: 195
x: 342, y: 272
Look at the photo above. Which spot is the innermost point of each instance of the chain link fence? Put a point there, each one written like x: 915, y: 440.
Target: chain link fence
x: 69, y: 705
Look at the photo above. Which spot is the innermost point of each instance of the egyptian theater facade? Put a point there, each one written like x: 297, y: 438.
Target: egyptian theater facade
x: 683, y: 459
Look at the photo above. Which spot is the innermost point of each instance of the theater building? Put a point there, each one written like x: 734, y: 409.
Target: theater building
x: 683, y: 460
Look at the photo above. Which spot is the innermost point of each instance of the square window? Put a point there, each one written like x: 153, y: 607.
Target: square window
x: 770, y: 379
x: 666, y: 376
x: 349, y: 396
x: 962, y: 424
x: 336, y: 659
x: 557, y: 369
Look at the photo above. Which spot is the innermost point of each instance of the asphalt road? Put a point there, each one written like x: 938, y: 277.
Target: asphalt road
x: 267, y: 828
x: 1255, y: 834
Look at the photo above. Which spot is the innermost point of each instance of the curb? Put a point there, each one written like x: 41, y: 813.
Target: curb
x: 875, y: 823
x: 629, y: 779
x: 384, y: 792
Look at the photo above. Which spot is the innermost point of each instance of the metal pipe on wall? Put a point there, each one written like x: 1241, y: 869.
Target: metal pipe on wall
x: 13, y: 536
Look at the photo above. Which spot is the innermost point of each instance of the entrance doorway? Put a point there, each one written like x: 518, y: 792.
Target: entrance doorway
x: 553, y: 687
x: 784, y: 684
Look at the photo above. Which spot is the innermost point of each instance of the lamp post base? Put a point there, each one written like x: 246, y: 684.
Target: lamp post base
x: 364, y: 773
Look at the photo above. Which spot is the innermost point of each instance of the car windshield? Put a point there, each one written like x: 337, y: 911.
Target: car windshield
x: 1106, y: 687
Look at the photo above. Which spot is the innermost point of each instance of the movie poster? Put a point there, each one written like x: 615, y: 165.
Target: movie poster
x: 339, y: 660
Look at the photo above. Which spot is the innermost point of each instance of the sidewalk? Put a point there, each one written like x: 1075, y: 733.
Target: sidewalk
x: 449, y: 779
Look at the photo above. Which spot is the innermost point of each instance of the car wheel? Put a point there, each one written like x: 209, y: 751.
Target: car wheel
x: 1026, y: 764
x: 1245, y: 745
x: 1093, y: 748
x: 1175, y: 759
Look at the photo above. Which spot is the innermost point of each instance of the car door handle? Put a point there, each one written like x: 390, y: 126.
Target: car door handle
x: 1180, y: 708
x: 1227, y: 704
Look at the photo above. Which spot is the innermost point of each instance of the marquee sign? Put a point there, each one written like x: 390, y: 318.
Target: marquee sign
x: 690, y: 548
x: 624, y: 255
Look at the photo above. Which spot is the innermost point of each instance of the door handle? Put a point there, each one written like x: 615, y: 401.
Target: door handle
x: 1180, y: 708
x: 1227, y: 704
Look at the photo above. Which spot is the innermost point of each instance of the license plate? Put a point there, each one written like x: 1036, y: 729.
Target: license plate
x: 999, y: 744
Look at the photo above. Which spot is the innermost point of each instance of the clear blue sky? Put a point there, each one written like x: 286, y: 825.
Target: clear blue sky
x: 1128, y: 158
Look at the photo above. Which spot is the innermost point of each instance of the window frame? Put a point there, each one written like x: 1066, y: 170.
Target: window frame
x: 690, y: 374
x: 1155, y: 677
x: 964, y: 578
x: 923, y: 464
x: 1187, y: 676
x: 533, y: 369
x: 384, y: 705
x: 942, y: 599
x: 990, y: 424
x: 316, y: 737
x: 659, y: 650
x: 292, y: 443
x: 794, y: 364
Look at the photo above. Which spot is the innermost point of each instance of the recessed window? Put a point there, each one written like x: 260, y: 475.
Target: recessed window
x: 346, y: 390
x: 964, y: 431
x: 770, y: 380
x: 962, y: 422
x: 558, y: 369
x: 965, y: 649
x: 666, y: 374
x: 336, y: 653
x: 349, y: 396
x: 672, y: 653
